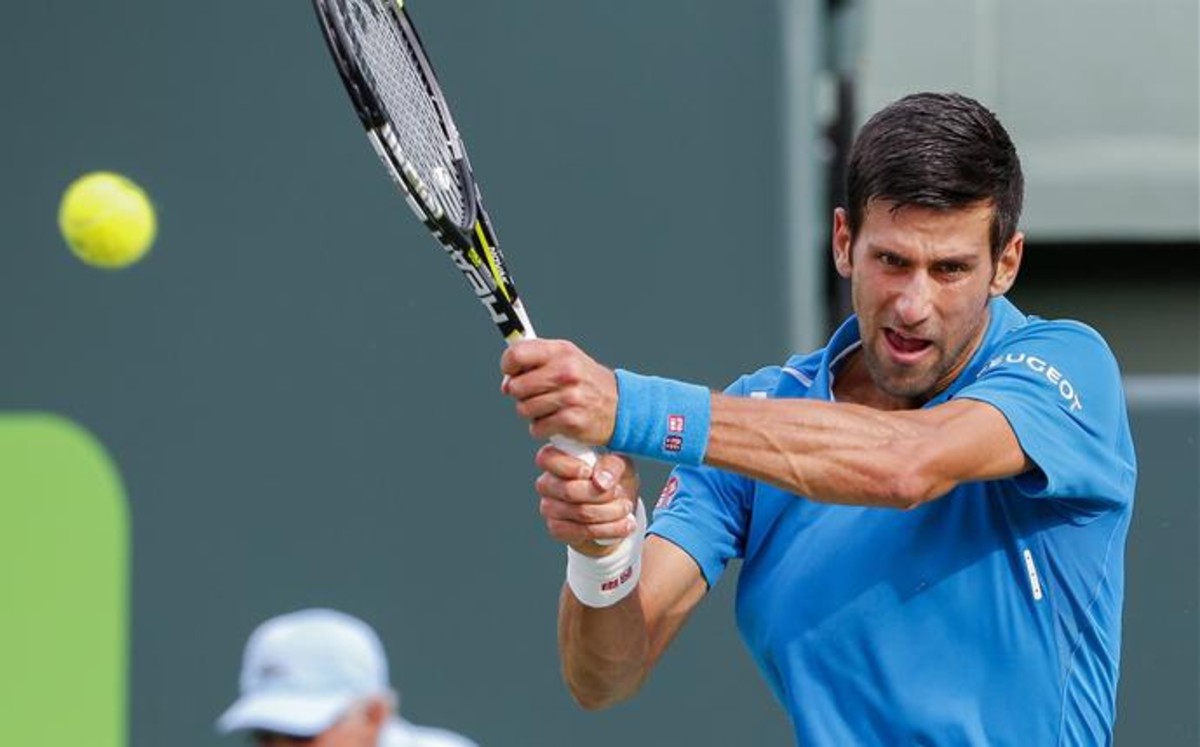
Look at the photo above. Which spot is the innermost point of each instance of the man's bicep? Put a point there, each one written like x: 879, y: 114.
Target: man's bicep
x: 973, y: 441
x: 1059, y: 387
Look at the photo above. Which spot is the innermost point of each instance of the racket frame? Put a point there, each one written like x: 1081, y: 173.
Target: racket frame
x: 472, y: 247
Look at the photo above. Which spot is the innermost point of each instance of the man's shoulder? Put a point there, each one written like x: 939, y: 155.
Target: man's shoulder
x: 401, y: 733
x: 797, y: 375
x: 803, y: 368
x: 1015, y: 325
x: 1065, y: 333
x: 791, y: 378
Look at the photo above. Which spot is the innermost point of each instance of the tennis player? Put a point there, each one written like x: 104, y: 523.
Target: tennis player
x: 931, y: 510
x: 319, y: 677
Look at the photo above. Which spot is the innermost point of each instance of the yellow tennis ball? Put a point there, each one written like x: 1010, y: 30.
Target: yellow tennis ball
x: 107, y: 220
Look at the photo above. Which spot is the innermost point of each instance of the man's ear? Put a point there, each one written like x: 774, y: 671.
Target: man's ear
x: 842, y: 243
x: 1008, y: 264
x: 378, y: 711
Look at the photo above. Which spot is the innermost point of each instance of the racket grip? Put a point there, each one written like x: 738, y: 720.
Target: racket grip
x: 581, y: 452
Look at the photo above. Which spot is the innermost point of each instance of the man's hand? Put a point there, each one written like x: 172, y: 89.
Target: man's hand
x: 582, y: 504
x: 560, y: 390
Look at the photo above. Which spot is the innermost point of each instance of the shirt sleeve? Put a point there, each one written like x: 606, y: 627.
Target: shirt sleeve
x: 1059, y: 387
x: 705, y: 512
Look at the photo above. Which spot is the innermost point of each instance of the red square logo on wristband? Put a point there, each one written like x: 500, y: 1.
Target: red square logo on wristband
x: 675, y: 424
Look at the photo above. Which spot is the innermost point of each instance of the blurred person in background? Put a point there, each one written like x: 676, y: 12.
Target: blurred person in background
x: 319, y: 677
x: 931, y: 511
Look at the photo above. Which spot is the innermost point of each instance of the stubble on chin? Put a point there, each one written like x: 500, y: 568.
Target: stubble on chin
x: 901, y: 382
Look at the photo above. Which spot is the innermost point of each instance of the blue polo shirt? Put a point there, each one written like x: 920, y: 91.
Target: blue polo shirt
x: 991, y: 616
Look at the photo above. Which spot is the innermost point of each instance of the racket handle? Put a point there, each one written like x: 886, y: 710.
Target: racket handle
x: 582, y: 452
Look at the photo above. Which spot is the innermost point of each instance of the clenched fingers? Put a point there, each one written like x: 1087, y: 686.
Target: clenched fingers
x: 586, y: 513
x: 609, y: 470
x: 576, y: 534
x: 581, y: 503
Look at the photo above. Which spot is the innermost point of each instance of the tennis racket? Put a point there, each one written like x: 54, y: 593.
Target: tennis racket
x: 397, y: 97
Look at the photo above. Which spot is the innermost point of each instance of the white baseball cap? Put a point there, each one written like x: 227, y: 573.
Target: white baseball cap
x: 302, y: 671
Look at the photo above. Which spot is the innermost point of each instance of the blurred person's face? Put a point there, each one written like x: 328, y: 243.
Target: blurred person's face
x: 920, y: 281
x: 358, y: 728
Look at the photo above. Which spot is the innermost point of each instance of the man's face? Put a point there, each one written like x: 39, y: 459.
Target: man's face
x: 920, y: 280
x: 359, y: 728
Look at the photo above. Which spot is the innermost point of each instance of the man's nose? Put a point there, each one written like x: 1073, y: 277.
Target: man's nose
x: 915, y: 300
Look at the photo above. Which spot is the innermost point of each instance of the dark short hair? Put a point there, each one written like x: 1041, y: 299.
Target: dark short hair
x: 940, y: 151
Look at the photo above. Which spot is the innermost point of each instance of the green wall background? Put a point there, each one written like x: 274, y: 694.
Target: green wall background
x: 64, y: 570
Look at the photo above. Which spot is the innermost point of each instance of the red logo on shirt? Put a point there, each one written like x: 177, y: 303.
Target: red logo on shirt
x: 675, y: 424
x: 668, y: 492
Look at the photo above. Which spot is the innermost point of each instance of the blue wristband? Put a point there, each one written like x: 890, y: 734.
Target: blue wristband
x: 661, y: 419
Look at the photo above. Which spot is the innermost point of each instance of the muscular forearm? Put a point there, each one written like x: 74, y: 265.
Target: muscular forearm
x: 839, y: 453
x: 608, y: 652
x: 604, y: 652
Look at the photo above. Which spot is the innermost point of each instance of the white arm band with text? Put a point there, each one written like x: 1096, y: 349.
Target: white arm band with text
x: 604, y: 581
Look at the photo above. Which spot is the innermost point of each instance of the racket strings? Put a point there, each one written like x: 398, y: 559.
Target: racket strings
x: 390, y: 63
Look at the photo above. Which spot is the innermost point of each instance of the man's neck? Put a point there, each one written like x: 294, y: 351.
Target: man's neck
x: 852, y: 382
